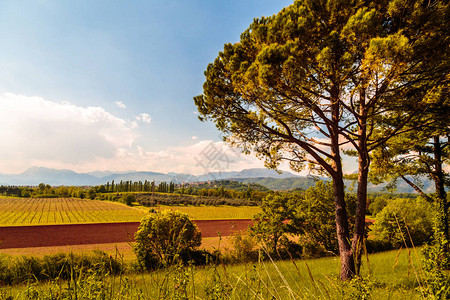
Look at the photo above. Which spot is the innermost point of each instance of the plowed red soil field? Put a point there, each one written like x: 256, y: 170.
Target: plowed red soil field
x: 100, y: 233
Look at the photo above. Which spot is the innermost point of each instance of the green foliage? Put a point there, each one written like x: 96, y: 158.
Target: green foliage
x: 317, y: 212
x: 276, y: 221
x: 164, y: 238
x: 378, y: 203
x: 435, y: 262
x: 436, y: 259
x: 244, y: 247
x: 154, y: 199
x: 43, y: 191
x: 18, y: 270
x: 228, y: 185
x: 357, y: 289
x: 128, y: 199
x: 300, y: 183
x: 404, y: 220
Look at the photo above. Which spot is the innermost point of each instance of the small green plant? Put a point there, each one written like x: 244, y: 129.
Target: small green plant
x: 216, y: 288
x: 436, y: 261
x: 244, y: 247
x: 181, y: 282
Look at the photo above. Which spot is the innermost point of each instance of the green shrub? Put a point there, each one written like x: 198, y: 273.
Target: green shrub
x: 403, y: 218
x: 244, y: 247
x: 164, y: 238
x: 128, y: 199
x: 377, y: 245
x: 310, y: 248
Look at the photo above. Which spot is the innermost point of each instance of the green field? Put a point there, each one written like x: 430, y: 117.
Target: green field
x: 45, y: 211
x: 215, y: 212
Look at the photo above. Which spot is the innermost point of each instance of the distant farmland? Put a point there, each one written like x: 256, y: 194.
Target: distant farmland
x: 43, y: 211
x: 51, y: 211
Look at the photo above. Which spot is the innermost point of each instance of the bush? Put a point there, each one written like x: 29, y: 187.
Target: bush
x: 311, y: 248
x: 402, y: 218
x: 164, y: 238
x: 244, y: 247
x: 128, y: 199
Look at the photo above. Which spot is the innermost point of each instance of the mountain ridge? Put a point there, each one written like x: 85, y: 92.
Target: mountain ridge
x: 35, y: 175
x: 265, y: 177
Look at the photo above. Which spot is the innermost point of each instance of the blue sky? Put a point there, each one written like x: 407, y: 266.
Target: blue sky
x: 108, y: 85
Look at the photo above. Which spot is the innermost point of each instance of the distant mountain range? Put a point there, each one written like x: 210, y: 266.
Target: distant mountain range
x: 35, y: 175
x: 268, y: 178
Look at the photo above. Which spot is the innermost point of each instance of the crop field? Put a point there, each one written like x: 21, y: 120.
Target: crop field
x: 222, y: 212
x: 45, y: 211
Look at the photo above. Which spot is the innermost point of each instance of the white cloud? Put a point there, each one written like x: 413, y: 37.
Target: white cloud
x: 38, y: 132
x: 199, y: 158
x: 145, y: 118
x: 120, y: 104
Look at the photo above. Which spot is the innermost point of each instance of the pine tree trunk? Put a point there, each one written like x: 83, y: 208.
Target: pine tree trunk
x: 360, y: 220
x: 363, y: 171
x: 342, y: 228
x: 440, y: 190
x: 345, y: 249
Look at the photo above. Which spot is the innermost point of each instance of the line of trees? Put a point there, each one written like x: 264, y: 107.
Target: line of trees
x: 136, y: 186
x: 44, y: 191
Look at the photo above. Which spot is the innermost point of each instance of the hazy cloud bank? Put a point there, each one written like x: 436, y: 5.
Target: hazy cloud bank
x: 39, y: 132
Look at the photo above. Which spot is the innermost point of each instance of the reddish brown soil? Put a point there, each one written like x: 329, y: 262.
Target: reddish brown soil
x: 81, y: 234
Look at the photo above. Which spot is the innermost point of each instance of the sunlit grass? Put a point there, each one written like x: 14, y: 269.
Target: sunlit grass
x: 392, y: 276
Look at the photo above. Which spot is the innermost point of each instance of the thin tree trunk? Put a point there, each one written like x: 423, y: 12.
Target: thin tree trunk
x: 342, y: 228
x: 345, y: 249
x: 440, y: 190
x: 360, y: 220
x: 363, y: 171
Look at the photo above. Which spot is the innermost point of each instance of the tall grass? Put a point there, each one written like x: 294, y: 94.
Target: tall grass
x: 392, y: 277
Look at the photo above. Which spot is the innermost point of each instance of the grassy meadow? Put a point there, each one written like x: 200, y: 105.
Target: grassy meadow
x: 392, y: 275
